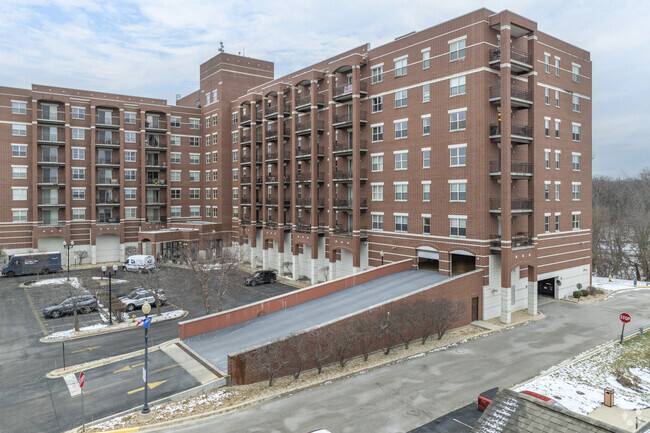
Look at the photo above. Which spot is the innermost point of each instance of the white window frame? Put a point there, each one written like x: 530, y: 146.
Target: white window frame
x: 377, y: 132
x: 457, y: 157
x: 401, y: 129
x: 457, y: 188
x: 378, y: 160
x: 455, y: 222
x: 401, y: 156
x: 377, y: 191
x: 401, y: 66
x: 377, y: 73
x: 457, y: 48
x: 401, y: 191
x: 457, y: 86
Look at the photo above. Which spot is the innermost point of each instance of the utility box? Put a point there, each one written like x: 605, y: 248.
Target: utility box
x: 609, y: 397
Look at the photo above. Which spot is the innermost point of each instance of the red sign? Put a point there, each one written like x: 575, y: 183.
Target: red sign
x: 82, y: 380
x: 625, y: 318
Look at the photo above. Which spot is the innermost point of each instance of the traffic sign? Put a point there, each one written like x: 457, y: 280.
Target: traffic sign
x: 146, y: 323
x: 625, y: 318
x: 82, y: 380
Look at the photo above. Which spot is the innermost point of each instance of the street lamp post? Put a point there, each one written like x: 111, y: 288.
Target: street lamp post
x: 381, y: 253
x: 68, y: 246
x: 110, y: 291
x: 146, y: 309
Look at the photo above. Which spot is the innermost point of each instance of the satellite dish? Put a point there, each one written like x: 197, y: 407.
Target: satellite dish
x: 579, y: 286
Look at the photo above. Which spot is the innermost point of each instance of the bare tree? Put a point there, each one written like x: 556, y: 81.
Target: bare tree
x: 269, y: 360
x: 75, y: 287
x: 406, y: 323
x: 343, y: 338
x: 81, y: 255
x: 152, y: 280
x: 325, y: 270
x: 443, y: 314
x: 385, y: 332
x: 321, y: 348
x: 130, y: 251
x: 298, y: 346
x: 287, y: 267
x: 366, y: 328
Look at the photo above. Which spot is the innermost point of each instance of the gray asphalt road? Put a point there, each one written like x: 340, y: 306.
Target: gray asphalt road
x: 215, y: 346
x: 410, y: 394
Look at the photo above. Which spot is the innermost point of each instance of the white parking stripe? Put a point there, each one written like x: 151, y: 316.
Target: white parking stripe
x: 73, y: 384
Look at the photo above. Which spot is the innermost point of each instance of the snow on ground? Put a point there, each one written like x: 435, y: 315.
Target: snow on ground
x: 580, y: 386
x: 168, y: 315
x: 74, y: 281
x: 615, y: 284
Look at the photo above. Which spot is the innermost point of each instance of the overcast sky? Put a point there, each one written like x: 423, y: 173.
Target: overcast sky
x: 154, y: 47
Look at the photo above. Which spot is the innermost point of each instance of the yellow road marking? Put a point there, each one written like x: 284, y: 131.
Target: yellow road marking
x: 151, y: 386
x: 460, y: 422
x: 38, y: 317
x: 167, y: 367
x: 108, y: 385
x: 87, y: 348
x: 127, y: 368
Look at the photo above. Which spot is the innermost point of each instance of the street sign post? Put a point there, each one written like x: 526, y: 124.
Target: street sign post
x: 82, y: 382
x: 625, y: 318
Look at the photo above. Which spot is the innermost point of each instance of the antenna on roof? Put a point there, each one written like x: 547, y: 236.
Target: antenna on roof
x: 221, y: 49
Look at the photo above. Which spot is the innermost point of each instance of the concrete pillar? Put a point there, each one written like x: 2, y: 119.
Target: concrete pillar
x: 332, y: 270
x: 314, y: 271
x: 122, y: 253
x: 532, y: 297
x: 356, y: 269
x: 93, y: 254
x: 506, y: 307
x: 265, y: 257
x: 294, y: 266
x: 280, y: 261
x: 252, y: 255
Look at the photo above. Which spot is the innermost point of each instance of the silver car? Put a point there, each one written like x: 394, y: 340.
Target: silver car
x: 137, y: 298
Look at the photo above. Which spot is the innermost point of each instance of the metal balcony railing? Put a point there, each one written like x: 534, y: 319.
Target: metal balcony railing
x: 108, y: 220
x: 516, y: 55
x: 105, y: 120
x: 349, y: 89
x: 515, y: 167
x: 51, y: 115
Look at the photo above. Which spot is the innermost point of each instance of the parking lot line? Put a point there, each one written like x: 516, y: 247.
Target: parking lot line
x: 73, y: 384
x: 127, y: 368
x: 38, y: 317
x: 87, y: 348
x: 151, y: 385
x: 466, y: 425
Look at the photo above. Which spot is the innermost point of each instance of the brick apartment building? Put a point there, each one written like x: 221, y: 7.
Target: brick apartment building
x: 463, y: 146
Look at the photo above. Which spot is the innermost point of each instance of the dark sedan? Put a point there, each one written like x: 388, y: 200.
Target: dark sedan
x: 85, y: 304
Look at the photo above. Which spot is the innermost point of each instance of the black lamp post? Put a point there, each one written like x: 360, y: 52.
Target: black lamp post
x: 68, y: 246
x: 110, y: 291
x: 381, y: 253
x: 146, y: 309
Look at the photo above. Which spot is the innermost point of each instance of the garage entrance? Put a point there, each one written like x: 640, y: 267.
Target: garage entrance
x: 107, y: 248
x: 428, y: 259
x: 546, y: 287
x: 462, y: 262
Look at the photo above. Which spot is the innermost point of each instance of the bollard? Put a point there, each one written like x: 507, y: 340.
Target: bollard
x: 609, y: 397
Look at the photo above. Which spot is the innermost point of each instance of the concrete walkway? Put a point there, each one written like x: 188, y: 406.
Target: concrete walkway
x: 216, y: 345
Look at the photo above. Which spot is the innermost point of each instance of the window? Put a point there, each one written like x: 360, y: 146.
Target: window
x: 235, y: 173
x: 207, y: 122
x: 457, y: 50
x: 401, y: 67
x: 20, y: 130
x: 175, y: 121
x: 457, y: 86
x: 18, y: 107
x: 207, y: 194
x: 377, y: 74
x: 176, y: 193
x: 457, y: 156
x: 575, y: 221
x: 18, y: 172
x: 195, y: 176
x: 130, y: 213
x: 547, y: 191
x: 377, y: 104
x: 547, y: 96
x: 19, y: 193
x: 401, y: 160
x: 575, y: 191
x: 195, y: 211
x: 426, y: 56
x: 130, y: 174
x: 195, y: 141
x: 401, y: 223
x: 557, y: 191
x: 401, y: 129
x: 377, y: 222
x: 378, y: 162
x: 214, y: 120
x: 378, y: 133
x: 195, y: 193
x: 78, y: 193
x: 129, y: 155
x: 78, y: 173
x: 235, y: 212
x: 207, y: 98
x: 576, y: 103
x: 176, y: 212
x: 215, y: 193
x: 458, y: 227
x: 175, y: 176
x: 235, y: 155
x: 207, y: 175
x: 575, y: 162
x: 557, y: 159
x: 426, y: 93
x: 575, y: 135
x: 129, y: 117
x: 426, y: 191
x: 215, y: 175
x: 557, y: 128
x: 129, y: 137
x: 235, y: 193
x: 194, y: 124
x: 547, y: 223
x: 426, y: 158
x: 214, y: 157
x: 235, y: 117
x: 215, y: 95
x: 557, y: 98
x: 130, y: 193
x: 457, y: 191
x: 174, y: 140
x: 547, y: 127
x: 194, y: 158
x: 377, y: 192
x: 208, y: 211
x: 19, y: 150
x: 175, y: 157
x: 426, y: 125
x: 78, y: 213
x: 557, y: 66
x: 215, y: 212
x: 557, y: 222
x: 235, y: 137
x: 401, y: 191
x: 401, y: 98
x: 457, y: 121
x: 547, y: 158
x: 426, y: 225
x: 575, y: 73
x: 214, y: 140
x: 19, y: 215
x: 547, y: 62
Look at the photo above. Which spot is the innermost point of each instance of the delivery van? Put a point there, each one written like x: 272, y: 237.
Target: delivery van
x: 139, y: 263
x: 36, y: 263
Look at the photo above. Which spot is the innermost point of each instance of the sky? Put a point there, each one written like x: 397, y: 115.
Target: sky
x: 154, y: 48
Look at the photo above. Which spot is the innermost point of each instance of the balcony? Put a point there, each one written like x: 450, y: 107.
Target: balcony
x: 105, y: 121
x: 107, y: 201
x: 154, y: 163
x: 303, y: 228
x: 520, y: 98
x: 269, y: 179
x: 306, y: 202
x: 156, y: 183
x: 107, y: 220
x: 518, y: 169
x: 344, y: 92
x: 245, y: 222
x: 306, y: 177
x: 347, y: 176
x: 519, y: 240
x: 303, y: 103
x: 155, y: 125
x: 305, y: 127
x: 159, y: 202
x: 305, y: 152
x: 347, y: 204
x: 155, y: 143
x: 273, y: 156
x: 518, y: 205
x: 245, y: 180
x: 272, y: 134
x: 113, y: 143
x: 347, y: 232
x: 154, y: 220
x: 107, y: 181
x: 51, y: 204
x: 51, y: 181
x: 271, y: 112
x: 521, y: 134
x: 108, y: 162
x: 342, y: 148
x: 344, y: 120
x: 50, y: 160
x: 51, y: 116
x: 520, y: 62
x: 273, y: 202
x: 245, y: 201
x: 55, y: 139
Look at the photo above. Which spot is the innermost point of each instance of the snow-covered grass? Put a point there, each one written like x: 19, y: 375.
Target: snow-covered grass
x: 579, y: 386
x: 616, y: 284
x: 74, y: 281
x: 100, y: 327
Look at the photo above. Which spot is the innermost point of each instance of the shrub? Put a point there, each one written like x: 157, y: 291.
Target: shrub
x: 577, y: 294
x: 595, y: 291
x: 584, y: 292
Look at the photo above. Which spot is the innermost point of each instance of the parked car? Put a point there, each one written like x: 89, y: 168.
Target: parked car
x: 260, y: 277
x: 138, y: 297
x: 486, y: 397
x: 85, y: 304
x: 37, y: 263
x: 139, y: 263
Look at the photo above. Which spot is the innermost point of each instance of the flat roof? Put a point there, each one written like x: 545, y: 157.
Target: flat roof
x: 216, y: 345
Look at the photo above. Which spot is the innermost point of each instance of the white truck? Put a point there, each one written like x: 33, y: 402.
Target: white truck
x: 139, y: 263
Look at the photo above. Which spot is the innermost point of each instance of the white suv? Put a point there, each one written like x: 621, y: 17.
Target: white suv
x: 138, y: 297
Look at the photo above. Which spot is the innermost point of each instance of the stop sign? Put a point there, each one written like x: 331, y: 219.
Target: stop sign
x: 625, y: 318
x: 82, y: 380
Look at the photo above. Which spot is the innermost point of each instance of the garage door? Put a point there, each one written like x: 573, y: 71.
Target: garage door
x: 108, y: 248
x: 51, y: 245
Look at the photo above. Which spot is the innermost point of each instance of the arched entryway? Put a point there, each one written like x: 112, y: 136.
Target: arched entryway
x: 428, y: 259
x: 462, y: 262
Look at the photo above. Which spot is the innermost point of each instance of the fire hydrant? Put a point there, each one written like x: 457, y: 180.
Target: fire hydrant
x: 132, y: 317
